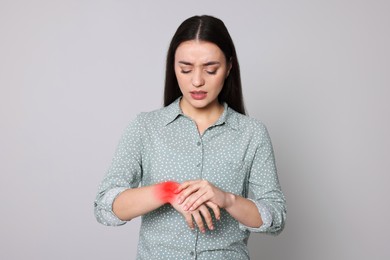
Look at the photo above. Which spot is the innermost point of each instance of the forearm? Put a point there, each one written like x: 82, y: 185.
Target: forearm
x: 243, y: 210
x: 132, y: 203
x: 136, y: 202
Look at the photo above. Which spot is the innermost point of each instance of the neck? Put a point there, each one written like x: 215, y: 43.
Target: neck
x: 210, y: 114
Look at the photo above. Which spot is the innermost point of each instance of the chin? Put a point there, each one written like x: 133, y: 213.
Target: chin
x: 200, y: 104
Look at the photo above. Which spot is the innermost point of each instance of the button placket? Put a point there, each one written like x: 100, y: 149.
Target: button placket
x: 199, y: 163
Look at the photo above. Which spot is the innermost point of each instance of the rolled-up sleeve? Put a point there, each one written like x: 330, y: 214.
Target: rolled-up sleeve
x: 265, y: 189
x: 124, y: 173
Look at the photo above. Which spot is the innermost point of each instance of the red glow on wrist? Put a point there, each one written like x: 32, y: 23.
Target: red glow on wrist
x: 166, y: 191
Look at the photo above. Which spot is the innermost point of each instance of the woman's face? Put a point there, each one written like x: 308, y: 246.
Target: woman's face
x: 201, y: 70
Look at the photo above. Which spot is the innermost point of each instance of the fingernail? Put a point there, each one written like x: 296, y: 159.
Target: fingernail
x: 212, y: 227
x: 191, y: 208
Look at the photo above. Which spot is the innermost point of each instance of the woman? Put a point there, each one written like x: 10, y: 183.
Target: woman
x: 188, y: 168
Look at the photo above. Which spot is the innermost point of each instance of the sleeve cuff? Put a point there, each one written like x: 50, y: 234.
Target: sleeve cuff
x: 266, y: 217
x: 103, y: 210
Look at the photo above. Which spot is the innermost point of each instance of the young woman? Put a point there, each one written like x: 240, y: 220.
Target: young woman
x: 199, y: 171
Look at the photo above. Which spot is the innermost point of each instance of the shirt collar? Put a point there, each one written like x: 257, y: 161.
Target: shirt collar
x: 173, y: 111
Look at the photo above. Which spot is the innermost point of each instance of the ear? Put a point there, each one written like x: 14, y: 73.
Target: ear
x: 229, y: 67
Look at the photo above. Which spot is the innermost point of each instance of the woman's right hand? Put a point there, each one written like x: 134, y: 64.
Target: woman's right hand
x: 196, y: 215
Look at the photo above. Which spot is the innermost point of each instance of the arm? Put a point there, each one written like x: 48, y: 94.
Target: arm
x: 132, y: 203
x: 264, y: 184
x: 244, y: 211
x: 123, y: 177
x: 119, y: 198
x: 128, y: 205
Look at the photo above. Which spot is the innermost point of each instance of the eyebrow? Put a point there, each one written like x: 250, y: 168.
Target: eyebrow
x: 204, y: 64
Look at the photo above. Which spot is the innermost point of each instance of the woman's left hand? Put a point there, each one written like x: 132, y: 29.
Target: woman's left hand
x: 196, y: 192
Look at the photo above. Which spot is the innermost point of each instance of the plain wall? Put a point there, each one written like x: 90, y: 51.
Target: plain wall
x: 73, y: 74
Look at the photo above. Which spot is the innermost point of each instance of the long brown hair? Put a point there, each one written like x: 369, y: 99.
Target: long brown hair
x: 210, y: 29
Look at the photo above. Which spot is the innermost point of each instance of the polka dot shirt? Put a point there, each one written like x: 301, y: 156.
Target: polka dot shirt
x: 235, y: 154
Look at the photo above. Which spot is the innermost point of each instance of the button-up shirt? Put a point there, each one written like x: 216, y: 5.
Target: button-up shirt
x: 234, y: 154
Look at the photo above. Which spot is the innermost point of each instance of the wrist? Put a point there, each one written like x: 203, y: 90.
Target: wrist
x: 165, y: 191
x: 230, y: 199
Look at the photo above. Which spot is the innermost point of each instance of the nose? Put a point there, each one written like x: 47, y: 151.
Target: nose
x: 197, y: 79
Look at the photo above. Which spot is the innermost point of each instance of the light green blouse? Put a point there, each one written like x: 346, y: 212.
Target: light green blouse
x: 235, y: 154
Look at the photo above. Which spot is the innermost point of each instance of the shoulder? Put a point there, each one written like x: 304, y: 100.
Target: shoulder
x: 249, y: 127
x: 152, y: 118
x: 245, y: 123
x: 144, y: 123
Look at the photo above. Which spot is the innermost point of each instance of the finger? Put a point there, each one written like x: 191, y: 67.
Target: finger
x: 187, y: 192
x: 184, y: 185
x: 206, y: 216
x: 205, y: 193
x: 190, y: 222
x: 195, y: 200
x: 215, y: 208
x: 199, y: 221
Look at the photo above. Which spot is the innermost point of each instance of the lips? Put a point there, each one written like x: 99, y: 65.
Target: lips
x: 198, y: 95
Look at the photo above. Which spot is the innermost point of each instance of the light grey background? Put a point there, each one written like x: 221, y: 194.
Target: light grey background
x: 73, y: 73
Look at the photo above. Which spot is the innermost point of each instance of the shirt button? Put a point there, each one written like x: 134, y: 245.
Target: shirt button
x: 198, y: 165
x: 198, y: 143
x: 192, y: 253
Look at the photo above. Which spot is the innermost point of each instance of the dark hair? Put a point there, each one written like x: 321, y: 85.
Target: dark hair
x: 209, y: 29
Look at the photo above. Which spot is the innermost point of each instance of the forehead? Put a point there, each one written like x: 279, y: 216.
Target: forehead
x: 198, y: 51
